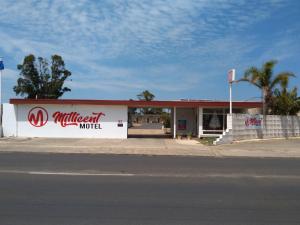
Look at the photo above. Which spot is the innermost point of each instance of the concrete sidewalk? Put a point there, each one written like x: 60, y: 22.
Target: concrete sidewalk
x: 262, y: 148
x: 142, y: 146
x: 148, y: 146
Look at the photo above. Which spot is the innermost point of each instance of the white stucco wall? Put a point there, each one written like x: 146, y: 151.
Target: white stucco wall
x: 107, y: 125
x: 274, y: 126
x: 9, y: 120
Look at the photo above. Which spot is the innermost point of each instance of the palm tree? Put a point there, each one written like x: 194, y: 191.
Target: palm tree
x: 265, y: 80
x: 146, y: 96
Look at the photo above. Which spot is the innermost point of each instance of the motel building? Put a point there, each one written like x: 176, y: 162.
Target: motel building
x: 69, y: 118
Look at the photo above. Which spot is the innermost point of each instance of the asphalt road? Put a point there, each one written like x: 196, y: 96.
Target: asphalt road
x: 103, y: 189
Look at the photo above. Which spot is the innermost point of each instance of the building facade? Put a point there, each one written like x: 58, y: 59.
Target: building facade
x: 109, y: 118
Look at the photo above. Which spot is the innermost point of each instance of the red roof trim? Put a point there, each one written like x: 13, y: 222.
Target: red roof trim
x: 137, y: 103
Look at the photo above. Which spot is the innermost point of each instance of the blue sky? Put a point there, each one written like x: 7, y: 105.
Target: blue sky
x: 174, y: 48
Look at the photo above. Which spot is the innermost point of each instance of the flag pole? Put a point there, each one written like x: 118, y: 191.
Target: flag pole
x: 230, y: 98
x: 231, y: 79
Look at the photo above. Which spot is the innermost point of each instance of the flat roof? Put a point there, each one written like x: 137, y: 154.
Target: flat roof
x: 139, y: 103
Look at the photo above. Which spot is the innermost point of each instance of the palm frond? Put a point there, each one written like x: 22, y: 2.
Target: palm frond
x: 252, y: 75
x: 267, y: 72
x: 269, y: 65
x: 282, y: 79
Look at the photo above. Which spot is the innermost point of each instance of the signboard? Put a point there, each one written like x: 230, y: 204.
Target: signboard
x: 231, y: 75
x: 38, y: 117
x: 120, y: 123
x: 181, y: 124
x: 253, y: 121
x: 73, y: 121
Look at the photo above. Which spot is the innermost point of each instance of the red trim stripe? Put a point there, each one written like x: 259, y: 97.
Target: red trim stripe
x: 137, y: 103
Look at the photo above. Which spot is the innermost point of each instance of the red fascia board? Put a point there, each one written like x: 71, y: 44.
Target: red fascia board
x: 137, y: 103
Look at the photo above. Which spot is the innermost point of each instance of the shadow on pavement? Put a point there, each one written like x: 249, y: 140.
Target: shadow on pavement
x: 161, y: 136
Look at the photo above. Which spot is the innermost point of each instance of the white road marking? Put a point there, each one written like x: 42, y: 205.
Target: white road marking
x: 80, y: 174
x: 164, y: 175
x: 64, y: 173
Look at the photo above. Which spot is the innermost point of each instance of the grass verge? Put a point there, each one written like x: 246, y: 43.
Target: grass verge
x: 207, y: 140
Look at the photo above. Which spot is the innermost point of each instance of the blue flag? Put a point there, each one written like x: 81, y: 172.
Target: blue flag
x: 1, y: 64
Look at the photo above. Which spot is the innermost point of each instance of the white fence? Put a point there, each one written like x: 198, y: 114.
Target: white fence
x: 245, y: 127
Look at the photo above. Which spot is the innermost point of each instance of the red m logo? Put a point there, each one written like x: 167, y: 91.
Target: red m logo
x: 38, y: 116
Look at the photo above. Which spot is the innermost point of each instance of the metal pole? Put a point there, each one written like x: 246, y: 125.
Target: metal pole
x: 1, y: 106
x: 230, y: 98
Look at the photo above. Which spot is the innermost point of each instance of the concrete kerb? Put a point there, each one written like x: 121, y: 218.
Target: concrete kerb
x: 262, y: 140
x: 257, y: 154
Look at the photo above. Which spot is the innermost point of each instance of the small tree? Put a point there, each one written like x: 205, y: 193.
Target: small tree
x: 285, y: 102
x: 39, y: 81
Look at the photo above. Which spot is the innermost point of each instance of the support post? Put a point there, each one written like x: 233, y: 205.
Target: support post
x: 200, y: 122
x: 174, y: 123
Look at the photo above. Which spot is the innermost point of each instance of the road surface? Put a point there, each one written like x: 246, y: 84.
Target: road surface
x: 71, y: 189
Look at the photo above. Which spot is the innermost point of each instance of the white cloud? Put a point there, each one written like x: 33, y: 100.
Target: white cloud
x: 89, y: 33
x: 168, y: 78
x: 105, y: 29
